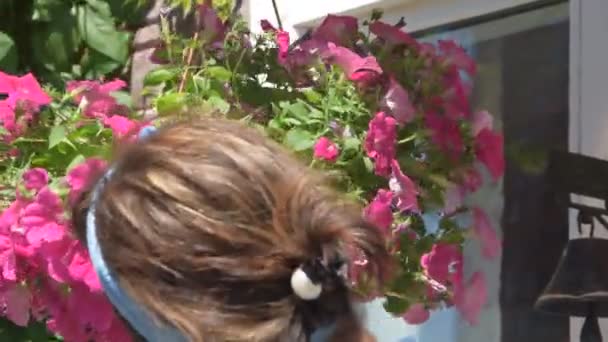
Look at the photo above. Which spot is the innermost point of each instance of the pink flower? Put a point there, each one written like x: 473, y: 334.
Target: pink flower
x: 212, y: 30
x: 80, y: 177
x: 403, y: 187
x: 472, y: 180
x: 16, y: 300
x: 481, y: 121
x: 98, y: 101
x: 364, y: 71
x: 36, y: 179
x: 453, y: 198
x: 380, y: 142
x: 392, y: 35
x: 47, y: 208
x: 456, y: 98
x: 398, y: 103
x: 80, y: 302
x: 283, y: 44
x: 23, y: 90
x: 326, y: 149
x: 489, y: 151
x: 340, y: 30
x: 441, y: 261
x: 47, y: 233
x: 379, y: 212
x: 470, y: 299
x: 267, y: 26
x: 455, y: 56
x: 490, y: 243
x: 445, y: 133
x: 121, y: 126
x: 417, y: 314
x: 80, y: 267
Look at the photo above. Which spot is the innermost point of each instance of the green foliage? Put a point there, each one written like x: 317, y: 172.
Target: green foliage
x: 65, y: 39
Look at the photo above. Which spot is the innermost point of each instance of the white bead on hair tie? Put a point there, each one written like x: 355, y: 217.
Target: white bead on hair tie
x: 303, y: 286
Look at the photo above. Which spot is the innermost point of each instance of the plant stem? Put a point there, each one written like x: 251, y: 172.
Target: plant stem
x: 276, y: 13
x: 188, y: 62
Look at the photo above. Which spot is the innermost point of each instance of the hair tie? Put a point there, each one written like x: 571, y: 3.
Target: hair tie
x: 307, y: 280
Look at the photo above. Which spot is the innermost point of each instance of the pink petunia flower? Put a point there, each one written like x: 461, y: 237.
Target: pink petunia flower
x: 417, y: 314
x: 404, y: 189
x: 481, y: 121
x: 364, y: 71
x: 283, y: 44
x: 80, y: 177
x: 16, y: 300
x: 35, y: 179
x: 379, y: 212
x: 398, y: 103
x: 392, y: 35
x: 440, y: 262
x: 326, y: 149
x: 96, y: 97
x: 340, y: 30
x: 490, y: 242
x: 380, y: 142
x: 25, y: 91
x: 489, y: 150
x: 122, y: 126
x: 445, y: 133
x: 212, y: 29
x: 454, y: 55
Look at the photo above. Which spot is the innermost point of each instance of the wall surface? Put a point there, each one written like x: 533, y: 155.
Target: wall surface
x: 588, y: 98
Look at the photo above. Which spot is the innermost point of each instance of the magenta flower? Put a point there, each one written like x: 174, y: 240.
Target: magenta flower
x: 98, y: 101
x: 121, y: 126
x: 283, y: 44
x: 445, y: 133
x: 454, y: 55
x: 417, y: 314
x: 404, y: 189
x: 46, y: 208
x: 469, y: 299
x: 379, y: 212
x: 35, y: 179
x: 80, y: 177
x: 16, y: 300
x: 380, y: 142
x: 440, y: 262
x: 392, y: 35
x: 397, y: 101
x: 490, y: 242
x: 340, y: 30
x: 489, y: 150
x: 364, y: 71
x: 267, y: 26
x: 80, y: 267
x: 23, y: 91
x: 481, y: 121
x: 212, y: 29
x: 326, y: 149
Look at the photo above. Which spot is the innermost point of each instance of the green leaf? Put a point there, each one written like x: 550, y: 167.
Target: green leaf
x: 299, y: 140
x: 395, y: 305
x: 8, y: 53
x: 79, y: 159
x: 219, y: 104
x: 100, y: 34
x: 351, y: 144
x: 55, y: 41
x: 56, y: 136
x: 158, y: 76
x: 220, y: 73
x: 123, y: 98
x: 96, y: 65
x: 170, y: 103
x: 313, y: 96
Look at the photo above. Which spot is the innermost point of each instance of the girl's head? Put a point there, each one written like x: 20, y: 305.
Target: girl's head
x: 204, y: 223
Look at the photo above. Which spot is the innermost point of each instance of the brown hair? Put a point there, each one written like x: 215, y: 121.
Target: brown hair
x: 205, y: 222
